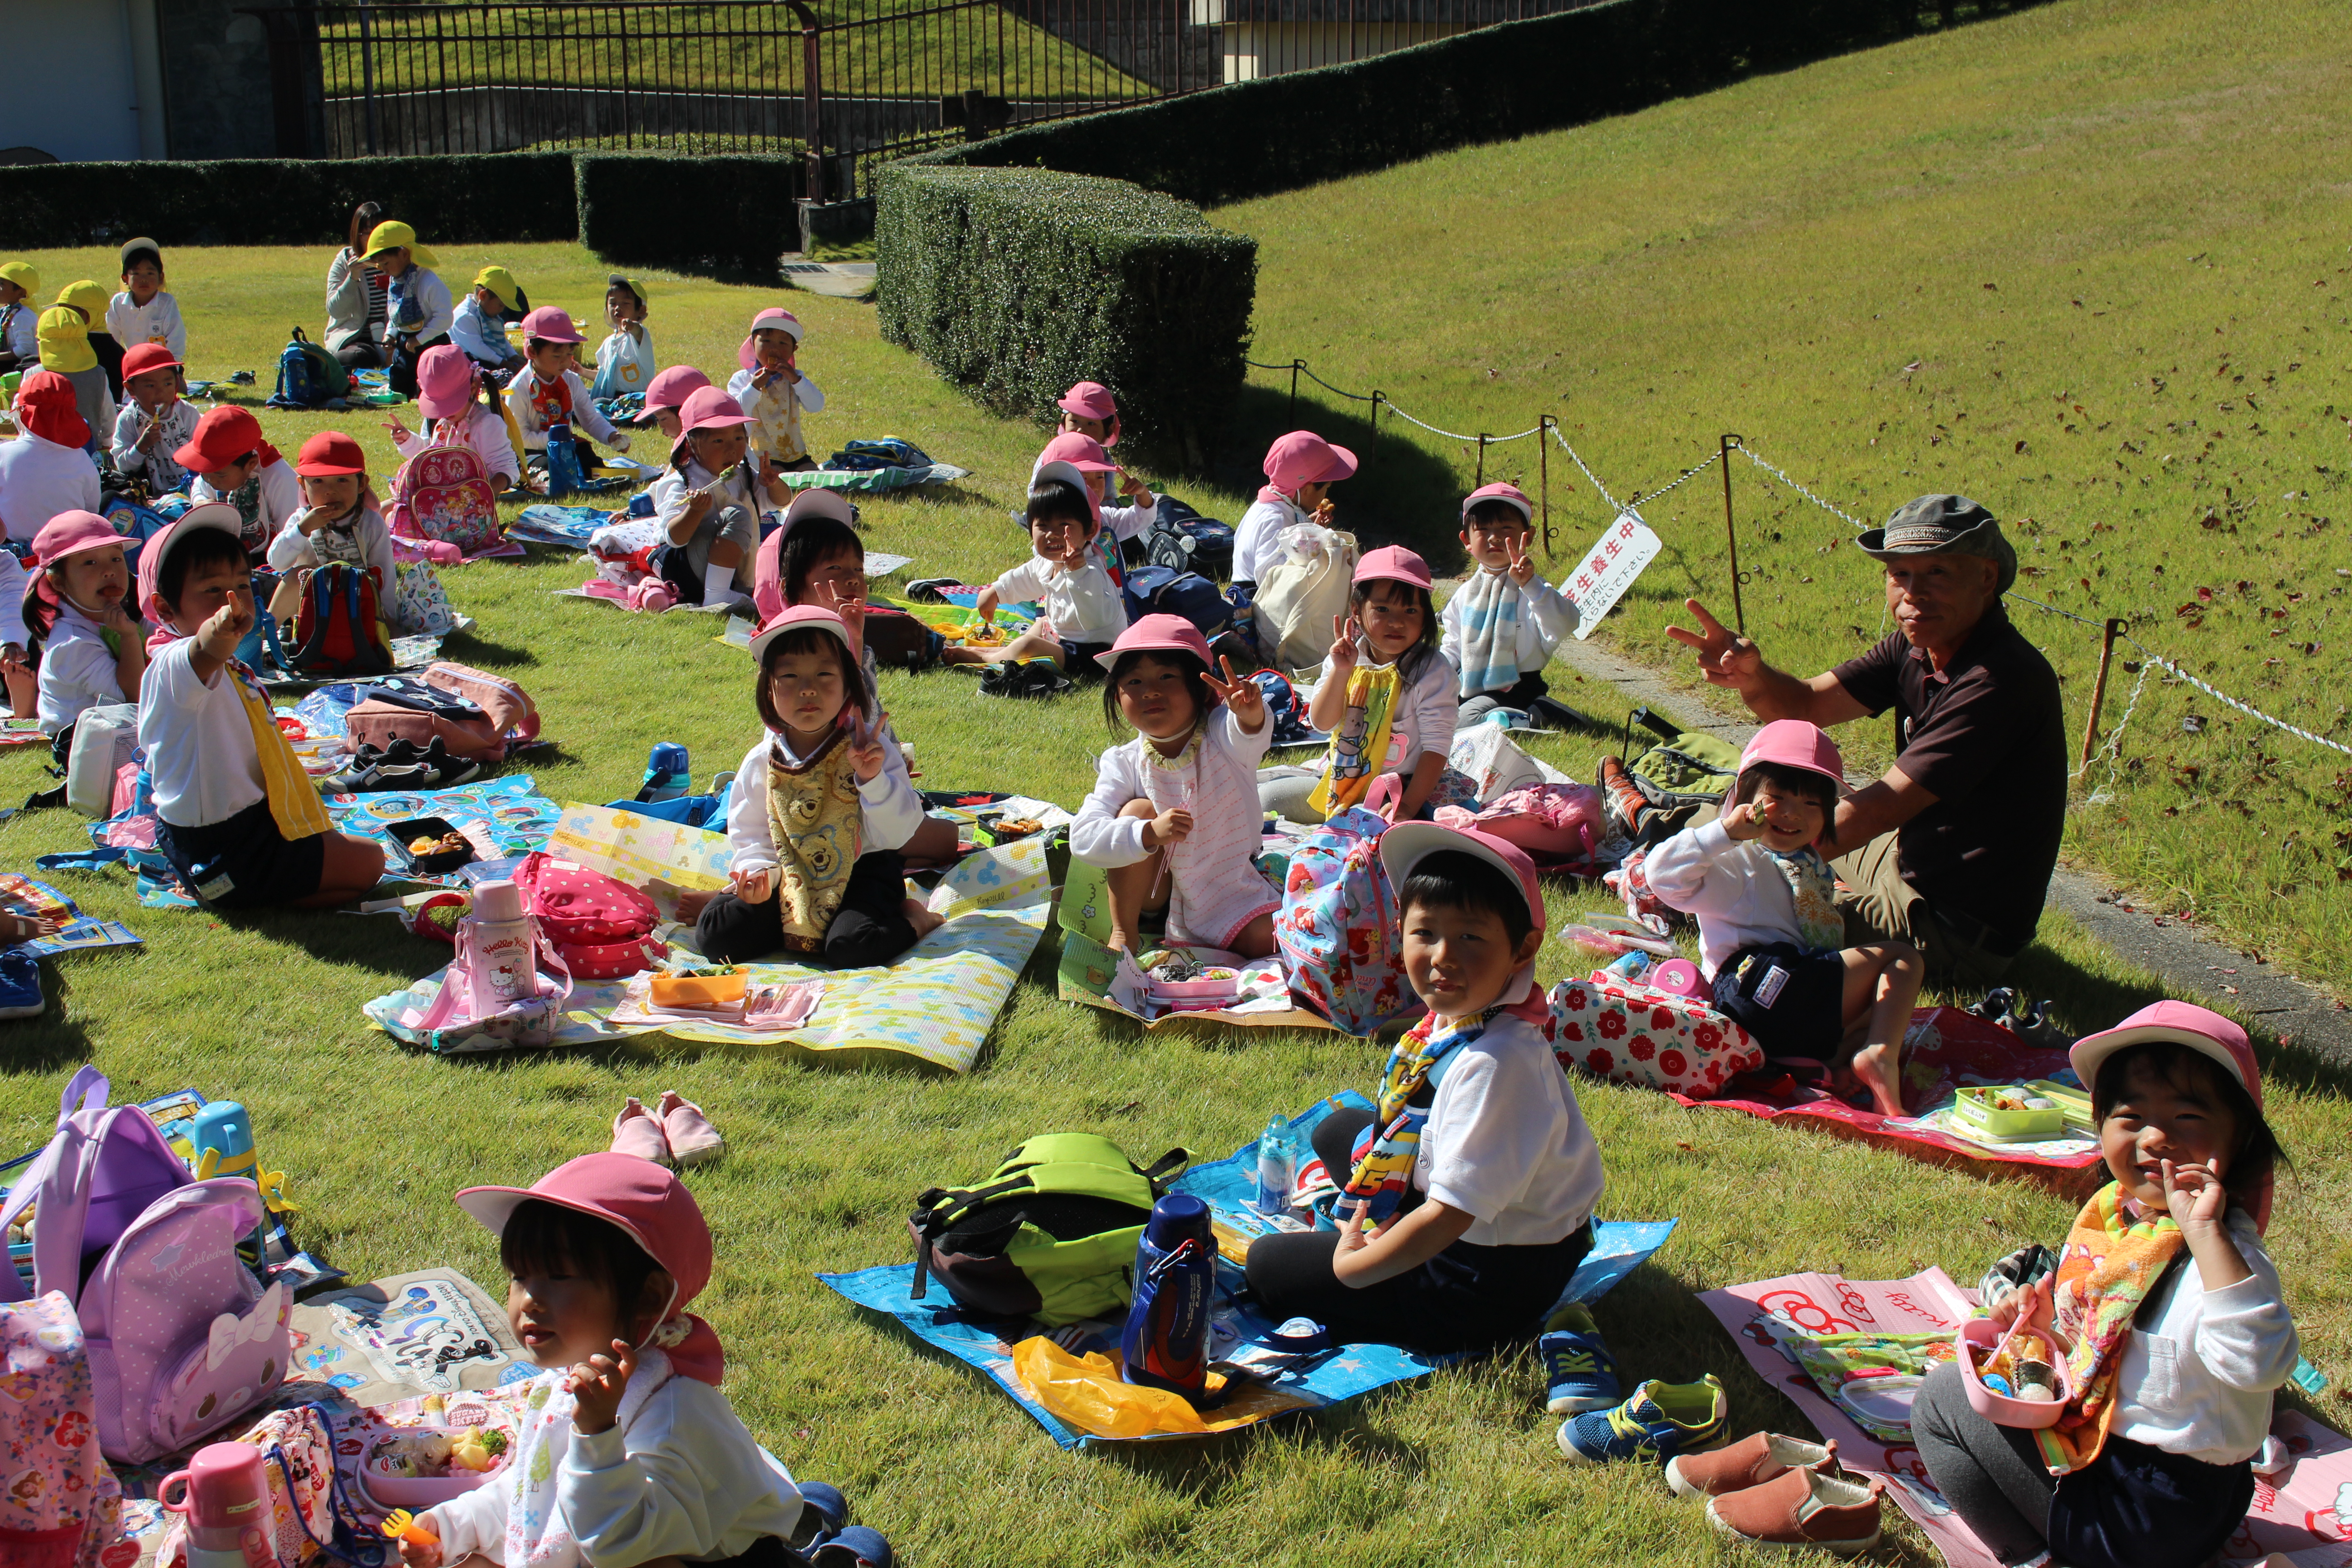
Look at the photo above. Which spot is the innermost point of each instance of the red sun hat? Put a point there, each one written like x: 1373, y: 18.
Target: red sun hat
x: 330, y: 452
x: 48, y: 407
x: 140, y: 358
x: 1393, y: 563
x: 1083, y: 453
x: 224, y: 435
x: 548, y: 324
x: 1160, y: 634
x: 69, y: 533
x: 1508, y: 494
x: 1794, y: 744
x: 2183, y: 1022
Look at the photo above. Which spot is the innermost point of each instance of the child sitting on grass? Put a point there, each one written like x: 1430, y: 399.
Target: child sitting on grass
x: 89, y: 297
x: 240, y: 821
x: 2169, y: 1314
x: 416, y: 302
x: 478, y: 327
x: 1089, y: 409
x: 1084, y: 611
x: 340, y: 520
x: 1502, y: 624
x: 46, y: 470
x: 709, y: 501
x: 1182, y: 798
x: 79, y: 622
x: 772, y: 390
x: 1119, y: 523
x: 232, y: 463
x: 629, y: 1454
x: 66, y: 351
x: 1466, y: 1197
x: 551, y: 393
x: 821, y: 807
x: 20, y: 339
x: 1300, y: 469
x: 666, y: 393
x: 625, y: 361
x: 1770, y: 932
x: 461, y: 410
x: 155, y: 421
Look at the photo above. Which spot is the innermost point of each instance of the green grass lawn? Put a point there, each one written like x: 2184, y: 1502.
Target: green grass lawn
x: 825, y: 1164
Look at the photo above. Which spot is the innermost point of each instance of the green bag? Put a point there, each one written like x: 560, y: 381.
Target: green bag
x: 1690, y: 765
x: 1049, y: 1235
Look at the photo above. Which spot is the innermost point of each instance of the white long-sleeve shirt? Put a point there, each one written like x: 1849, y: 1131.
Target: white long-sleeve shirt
x: 675, y: 489
x: 156, y: 322
x: 1257, y: 538
x: 38, y: 480
x: 78, y: 671
x: 421, y: 291
x: 367, y: 542
x: 1731, y: 885
x: 525, y: 394
x: 1545, y: 617
x: 893, y: 809
x: 1424, y: 716
x: 2198, y: 1376
x: 1218, y: 888
x: 162, y: 472
x: 1084, y: 604
x: 676, y: 1474
x: 481, y: 429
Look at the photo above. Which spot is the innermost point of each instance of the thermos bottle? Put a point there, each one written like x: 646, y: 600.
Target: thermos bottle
x: 226, y: 1503
x: 503, y: 945
x: 1166, y: 1344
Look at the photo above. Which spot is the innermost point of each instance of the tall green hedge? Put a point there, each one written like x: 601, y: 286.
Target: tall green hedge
x: 730, y: 215
x: 1283, y: 132
x: 460, y: 199
x: 1015, y: 283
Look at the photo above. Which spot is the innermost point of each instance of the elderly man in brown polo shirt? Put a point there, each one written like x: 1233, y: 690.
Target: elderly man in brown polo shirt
x: 1952, y: 849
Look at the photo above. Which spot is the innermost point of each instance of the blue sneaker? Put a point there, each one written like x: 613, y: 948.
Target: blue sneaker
x: 1661, y: 1420
x: 1581, y: 1373
x: 20, y: 985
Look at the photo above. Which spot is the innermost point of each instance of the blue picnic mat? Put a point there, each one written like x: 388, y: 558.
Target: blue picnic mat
x: 1618, y: 1247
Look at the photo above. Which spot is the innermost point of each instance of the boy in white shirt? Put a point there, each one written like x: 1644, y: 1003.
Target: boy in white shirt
x: 240, y: 821
x: 1084, y: 611
x: 1504, y: 621
x: 46, y: 470
x: 1467, y: 1199
x: 479, y: 322
x: 144, y: 312
x: 154, y: 421
x: 549, y: 392
x: 625, y: 361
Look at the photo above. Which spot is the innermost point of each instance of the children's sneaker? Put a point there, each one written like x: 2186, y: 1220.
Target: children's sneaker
x: 20, y: 985
x: 1804, y: 1508
x: 1660, y: 1421
x: 1577, y: 1366
x: 1758, y: 1457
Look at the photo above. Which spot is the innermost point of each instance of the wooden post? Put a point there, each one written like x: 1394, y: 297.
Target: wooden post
x: 2099, y: 691
x: 1543, y: 470
x: 1480, y: 479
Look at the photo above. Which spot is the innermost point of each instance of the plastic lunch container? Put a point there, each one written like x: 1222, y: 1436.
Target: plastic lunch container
x: 699, y: 990
x: 399, y: 833
x: 424, y: 1491
x: 1975, y: 1111
x: 2001, y: 1409
x: 1216, y: 985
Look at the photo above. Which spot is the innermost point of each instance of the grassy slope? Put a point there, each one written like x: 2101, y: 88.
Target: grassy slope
x: 2087, y: 263
x: 825, y: 1162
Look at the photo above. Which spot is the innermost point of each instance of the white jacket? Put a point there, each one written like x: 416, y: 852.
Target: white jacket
x: 893, y: 809
x: 156, y: 322
x: 1732, y: 887
x: 2198, y: 1376
x: 38, y: 480
x: 1084, y: 606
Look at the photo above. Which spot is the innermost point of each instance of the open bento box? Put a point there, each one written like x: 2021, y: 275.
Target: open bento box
x: 423, y: 1467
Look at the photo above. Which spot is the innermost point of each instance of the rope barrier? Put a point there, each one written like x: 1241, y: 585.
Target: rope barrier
x: 1782, y: 476
x: 1689, y: 475
x: 1614, y: 506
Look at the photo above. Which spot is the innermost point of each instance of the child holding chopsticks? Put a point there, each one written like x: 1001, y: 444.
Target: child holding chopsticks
x: 711, y: 501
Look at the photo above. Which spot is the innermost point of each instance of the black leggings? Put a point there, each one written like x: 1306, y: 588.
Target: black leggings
x: 401, y: 373
x: 871, y: 926
x: 361, y: 353
x: 1467, y: 1298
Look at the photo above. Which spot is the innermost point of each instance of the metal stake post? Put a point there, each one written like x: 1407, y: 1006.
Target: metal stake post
x: 1723, y: 450
x: 814, y: 92
x: 2099, y: 689
x: 1480, y: 479
x: 1374, y: 449
x: 1296, y: 366
x: 1543, y: 469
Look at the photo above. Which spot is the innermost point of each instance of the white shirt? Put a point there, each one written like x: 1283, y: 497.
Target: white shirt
x: 156, y: 322
x: 1423, y: 719
x: 25, y: 332
x: 484, y: 340
x: 1733, y: 887
x: 164, y: 472
x: 1084, y: 606
x: 422, y: 288
x: 676, y: 1474
x: 675, y: 488
x: 893, y: 809
x: 2198, y: 1376
x: 585, y: 420
x: 13, y: 579
x: 199, y: 742
x: 78, y: 669
x: 809, y: 394
x: 367, y: 544
x: 282, y: 497
x: 625, y: 362
x: 1257, y: 538
x: 38, y: 480
x: 1506, y: 1143
x: 1545, y: 617
x: 482, y: 429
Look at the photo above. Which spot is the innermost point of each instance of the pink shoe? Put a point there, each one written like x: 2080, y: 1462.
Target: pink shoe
x: 692, y: 1139
x: 638, y: 1131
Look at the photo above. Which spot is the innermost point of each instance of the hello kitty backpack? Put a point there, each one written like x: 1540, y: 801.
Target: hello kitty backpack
x: 182, y: 1337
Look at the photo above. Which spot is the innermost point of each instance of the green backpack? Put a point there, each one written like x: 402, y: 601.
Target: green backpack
x: 1670, y: 783
x: 1050, y: 1233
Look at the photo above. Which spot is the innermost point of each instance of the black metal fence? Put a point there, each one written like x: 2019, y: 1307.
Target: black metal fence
x: 845, y: 82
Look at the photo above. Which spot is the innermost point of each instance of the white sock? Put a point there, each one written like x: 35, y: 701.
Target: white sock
x: 719, y: 586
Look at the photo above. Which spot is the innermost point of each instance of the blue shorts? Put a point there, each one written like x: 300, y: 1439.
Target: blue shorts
x: 243, y: 863
x: 1802, y: 1014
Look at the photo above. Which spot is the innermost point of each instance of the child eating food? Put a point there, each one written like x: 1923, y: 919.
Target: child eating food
x: 340, y: 518
x: 709, y: 501
x: 1769, y: 931
x: 1466, y: 1197
x: 154, y: 420
x: 1084, y: 610
x: 772, y: 390
x: 1502, y: 624
x: 1181, y: 799
x: 78, y: 620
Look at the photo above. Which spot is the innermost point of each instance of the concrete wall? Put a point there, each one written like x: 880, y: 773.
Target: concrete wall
x: 216, y: 85
x: 72, y: 88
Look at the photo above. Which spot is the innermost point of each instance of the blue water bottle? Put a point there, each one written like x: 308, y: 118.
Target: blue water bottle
x: 669, y: 774
x: 1166, y: 1344
x: 1275, y: 1169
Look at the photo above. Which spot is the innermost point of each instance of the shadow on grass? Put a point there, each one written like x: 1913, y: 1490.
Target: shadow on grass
x: 485, y: 654
x: 1399, y: 494
x: 53, y: 1040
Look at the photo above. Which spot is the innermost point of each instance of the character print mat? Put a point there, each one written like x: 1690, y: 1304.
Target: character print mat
x: 1829, y: 1344
x: 407, y: 1336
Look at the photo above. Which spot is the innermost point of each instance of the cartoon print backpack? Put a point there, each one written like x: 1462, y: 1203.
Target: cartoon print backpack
x: 339, y: 627
x: 1337, y: 927
x: 308, y: 375
x: 601, y: 929
x: 61, y: 1507
x: 443, y: 492
x: 182, y: 1338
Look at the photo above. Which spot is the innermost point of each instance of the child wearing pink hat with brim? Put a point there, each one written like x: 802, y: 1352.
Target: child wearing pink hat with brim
x: 79, y: 622
x: 1173, y: 815
x: 549, y: 392
x: 710, y: 498
x: 1771, y: 939
x: 1083, y: 453
x: 666, y: 393
x: 1084, y: 610
x: 1300, y: 469
x: 772, y: 390
x: 460, y: 411
x: 2168, y: 1309
x: 626, y: 1451
x: 1504, y: 621
x: 1089, y: 409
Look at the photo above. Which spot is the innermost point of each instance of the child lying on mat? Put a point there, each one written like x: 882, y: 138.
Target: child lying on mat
x: 1477, y: 1176
x: 1769, y: 932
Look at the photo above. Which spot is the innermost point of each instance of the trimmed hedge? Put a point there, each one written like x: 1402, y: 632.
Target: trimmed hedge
x: 1283, y: 132
x: 461, y: 199
x: 730, y: 215
x: 1015, y: 283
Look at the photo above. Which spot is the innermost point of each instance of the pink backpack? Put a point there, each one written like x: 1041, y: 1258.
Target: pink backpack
x: 1554, y: 824
x: 442, y: 493
x: 62, y: 1507
x: 182, y: 1337
x: 508, y: 705
x: 601, y: 927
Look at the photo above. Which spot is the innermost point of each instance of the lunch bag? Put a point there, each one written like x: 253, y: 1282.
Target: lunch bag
x: 1300, y: 594
x: 62, y: 1507
x: 104, y: 738
x: 443, y: 493
x: 1161, y: 591
x: 1652, y: 1039
x: 1050, y: 1233
x: 410, y: 710
x: 1337, y: 929
x: 601, y: 927
x: 509, y: 707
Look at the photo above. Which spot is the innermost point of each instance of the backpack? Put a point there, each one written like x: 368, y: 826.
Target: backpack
x: 104, y: 738
x: 71, y: 1509
x: 455, y: 1022
x: 308, y: 375
x: 406, y: 709
x: 1050, y: 1233
x: 899, y: 640
x: 509, y: 706
x: 1163, y: 591
x: 1656, y: 796
x: 443, y: 493
x: 601, y: 929
x: 182, y: 1337
x: 1337, y: 927
x: 339, y: 628
x: 1182, y: 539
x: 1287, y: 710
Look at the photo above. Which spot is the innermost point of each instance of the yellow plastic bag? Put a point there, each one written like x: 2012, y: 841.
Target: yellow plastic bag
x: 1086, y: 1394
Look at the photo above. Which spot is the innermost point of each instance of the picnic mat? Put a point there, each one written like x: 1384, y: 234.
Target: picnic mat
x: 501, y: 817
x: 1798, y: 1330
x: 1279, y: 1384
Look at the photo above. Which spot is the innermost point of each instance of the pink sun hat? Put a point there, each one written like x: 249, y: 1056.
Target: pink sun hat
x: 670, y: 387
x: 798, y: 615
x: 69, y: 533
x: 1083, y: 453
x: 774, y: 317
x: 1393, y: 563
x: 548, y: 324
x: 1406, y: 845
x: 2183, y: 1022
x: 768, y: 566
x: 445, y: 382
x: 1303, y: 458
x: 1508, y: 494
x: 212, y: 514
x: 1794, y: 744
x: 1092, y: 400
x: 1160, y: 634
x: 706, y: 408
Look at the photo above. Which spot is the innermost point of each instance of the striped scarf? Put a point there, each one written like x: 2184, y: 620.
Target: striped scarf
x: 1488, y: 607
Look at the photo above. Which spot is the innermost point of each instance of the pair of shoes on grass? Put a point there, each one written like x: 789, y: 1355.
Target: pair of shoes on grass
x: 675, y: 1132
x: 825, y: 1539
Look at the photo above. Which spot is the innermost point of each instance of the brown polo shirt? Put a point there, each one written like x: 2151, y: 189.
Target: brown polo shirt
x: 1987, y: 736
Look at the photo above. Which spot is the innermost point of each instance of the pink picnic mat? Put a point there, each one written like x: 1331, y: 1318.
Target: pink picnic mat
x: 2304, y: 1510
x: 1945, y: 1049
